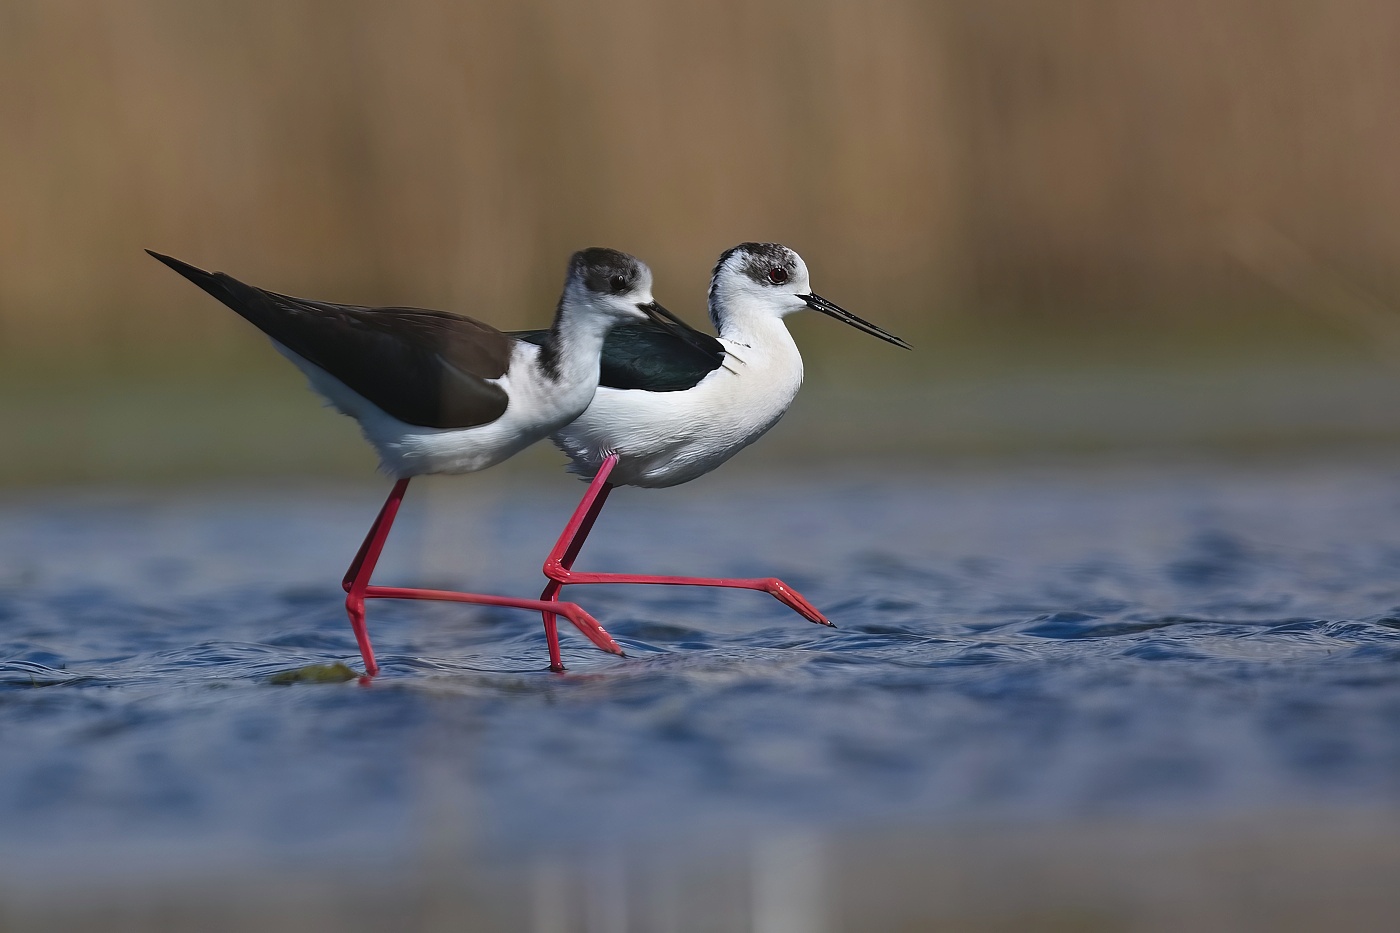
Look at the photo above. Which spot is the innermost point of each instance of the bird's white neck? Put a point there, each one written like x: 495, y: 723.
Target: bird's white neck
x: 576, y: 344
x: 747, y: 322
x: 761, y: 351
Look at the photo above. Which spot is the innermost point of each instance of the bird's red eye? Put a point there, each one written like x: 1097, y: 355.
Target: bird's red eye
x: 777, y: 276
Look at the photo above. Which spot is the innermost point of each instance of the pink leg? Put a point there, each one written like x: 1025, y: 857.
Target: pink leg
x: 358, y: 588
x: 570, y: 543
x: 356, y: 580
x: 558, y: 567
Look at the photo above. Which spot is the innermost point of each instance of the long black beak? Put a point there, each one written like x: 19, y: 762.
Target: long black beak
x: 681, y: 329
x: 818, y: 303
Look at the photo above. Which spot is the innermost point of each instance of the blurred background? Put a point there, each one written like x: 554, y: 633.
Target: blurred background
x: 1194, y: 207
x: 1123, y: 237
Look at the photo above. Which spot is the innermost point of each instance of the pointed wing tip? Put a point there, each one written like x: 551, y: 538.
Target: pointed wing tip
x: 193, y: 273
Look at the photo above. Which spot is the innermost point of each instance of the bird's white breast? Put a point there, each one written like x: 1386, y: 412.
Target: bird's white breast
x: 667, y: 438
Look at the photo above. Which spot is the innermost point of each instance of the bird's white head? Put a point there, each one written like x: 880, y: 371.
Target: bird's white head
x: 605, y: 288
x: 610, y: 284
x: 756, y: 281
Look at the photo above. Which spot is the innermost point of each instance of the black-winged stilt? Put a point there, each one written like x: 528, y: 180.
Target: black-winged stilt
x: 439, y: 393
x: 670, y: 409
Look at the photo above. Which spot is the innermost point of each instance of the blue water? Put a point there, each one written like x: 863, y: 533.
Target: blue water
x: 1054, y: 643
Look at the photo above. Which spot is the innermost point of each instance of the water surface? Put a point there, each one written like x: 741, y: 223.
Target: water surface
x: 1016, y: 645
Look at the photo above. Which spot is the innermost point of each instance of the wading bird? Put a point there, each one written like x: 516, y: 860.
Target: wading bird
x: 672, y: 407
x: 439, y: 393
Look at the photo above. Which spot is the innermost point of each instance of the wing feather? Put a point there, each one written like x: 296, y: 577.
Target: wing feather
x: 427, y: 368
x: 647, y: 356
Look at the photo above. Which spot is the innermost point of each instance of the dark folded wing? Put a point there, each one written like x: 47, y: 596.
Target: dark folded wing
x: 647, y: 356
x: 427, y: 368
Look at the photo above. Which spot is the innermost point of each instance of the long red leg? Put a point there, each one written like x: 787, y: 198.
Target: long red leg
x: 558, y: 567
x: 358, y: 589
x: 356, y: 580
x: 567, y: 547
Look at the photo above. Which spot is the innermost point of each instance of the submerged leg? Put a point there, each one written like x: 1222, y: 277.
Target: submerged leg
x: 558, y: 567
x: 358, y: 589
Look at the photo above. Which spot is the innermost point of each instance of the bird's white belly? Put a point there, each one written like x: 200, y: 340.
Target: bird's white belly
x: 406, y: 449
x: 668, y: 438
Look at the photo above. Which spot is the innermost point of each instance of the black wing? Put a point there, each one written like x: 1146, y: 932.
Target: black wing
x: 649, y: 357
x: 424, y: 367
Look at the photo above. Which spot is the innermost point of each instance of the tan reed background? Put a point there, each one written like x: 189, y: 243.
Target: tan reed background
x: 991, y: 160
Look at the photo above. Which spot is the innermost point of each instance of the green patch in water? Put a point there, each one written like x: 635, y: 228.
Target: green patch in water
x: 314, y: 674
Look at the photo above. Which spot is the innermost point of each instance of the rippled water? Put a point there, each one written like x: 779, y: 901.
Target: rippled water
x: 1051, y: 643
